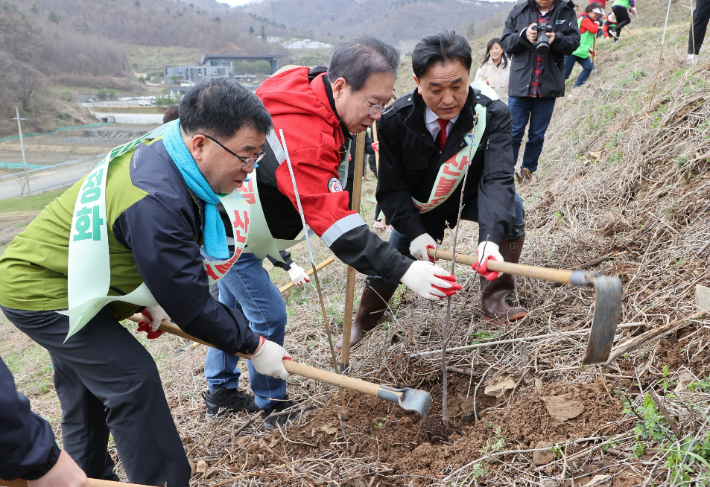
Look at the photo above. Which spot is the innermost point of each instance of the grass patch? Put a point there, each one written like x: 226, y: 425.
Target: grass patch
x: 29, y: 203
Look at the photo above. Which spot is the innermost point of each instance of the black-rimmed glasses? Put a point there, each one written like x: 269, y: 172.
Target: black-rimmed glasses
x: 247, y: 162
x: 374, y: 109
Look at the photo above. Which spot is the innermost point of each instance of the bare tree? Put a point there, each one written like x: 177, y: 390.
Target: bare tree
x: 29, y: 82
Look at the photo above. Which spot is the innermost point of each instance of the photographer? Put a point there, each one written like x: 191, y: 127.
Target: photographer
x: 538, y: 34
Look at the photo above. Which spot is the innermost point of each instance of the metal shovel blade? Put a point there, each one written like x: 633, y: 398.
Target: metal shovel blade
x: 606, y: 317
x: 409, y: 399
x: 702, y: 297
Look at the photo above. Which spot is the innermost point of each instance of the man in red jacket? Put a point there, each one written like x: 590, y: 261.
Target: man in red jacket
x: 317, y: 110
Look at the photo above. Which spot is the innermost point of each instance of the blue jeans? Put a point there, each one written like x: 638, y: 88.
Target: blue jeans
x: 538, y: 111
x: 586, y: 64
x: 247, y: 286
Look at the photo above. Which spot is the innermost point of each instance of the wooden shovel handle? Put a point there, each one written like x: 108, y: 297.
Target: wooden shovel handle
x: 294, y: 367
x: 92, y: 483
x: 544, y: 273
x: 325, y: 263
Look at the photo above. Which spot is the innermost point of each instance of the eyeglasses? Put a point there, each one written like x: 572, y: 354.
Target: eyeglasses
x: 374, y: 109
x: 247, y: 162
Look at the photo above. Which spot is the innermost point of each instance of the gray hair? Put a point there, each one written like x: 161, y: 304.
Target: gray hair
x: 354, y: 61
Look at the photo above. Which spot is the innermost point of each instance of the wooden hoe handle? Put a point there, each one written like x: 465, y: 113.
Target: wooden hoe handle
x: 326, y: 262
x: 301, y: 369
x: 92, y: 483
x: 544, y: 273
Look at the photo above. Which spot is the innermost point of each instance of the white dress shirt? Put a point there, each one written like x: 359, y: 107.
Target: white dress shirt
x: 432, y: 123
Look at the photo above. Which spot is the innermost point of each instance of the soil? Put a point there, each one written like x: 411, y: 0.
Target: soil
x: 377, y: 429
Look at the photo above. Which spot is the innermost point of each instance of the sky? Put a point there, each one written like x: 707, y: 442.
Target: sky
x: 235, y: 3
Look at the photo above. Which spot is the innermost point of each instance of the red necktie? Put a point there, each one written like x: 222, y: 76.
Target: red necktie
x: 441, y: 136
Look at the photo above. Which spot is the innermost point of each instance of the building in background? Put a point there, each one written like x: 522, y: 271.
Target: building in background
x: 306, y: 44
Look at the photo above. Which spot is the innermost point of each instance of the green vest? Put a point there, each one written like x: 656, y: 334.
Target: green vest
x: 622, y: 3
x: 586, y: 42
x: 34, y: 267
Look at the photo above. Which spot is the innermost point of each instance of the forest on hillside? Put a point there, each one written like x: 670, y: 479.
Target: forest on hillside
x: 390, y: 20
x: 82, y: 43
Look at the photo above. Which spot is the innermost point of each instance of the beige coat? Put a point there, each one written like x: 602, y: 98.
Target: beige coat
x: 496, y: 76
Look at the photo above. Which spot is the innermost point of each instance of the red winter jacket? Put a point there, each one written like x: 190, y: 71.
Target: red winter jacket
x: 588, y: 24
x: 302, y: 106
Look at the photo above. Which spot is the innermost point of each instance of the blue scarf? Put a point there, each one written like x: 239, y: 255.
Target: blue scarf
x: 214, y: 233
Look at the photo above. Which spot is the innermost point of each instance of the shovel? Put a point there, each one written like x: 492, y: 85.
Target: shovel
x: 608, y: 301
x: 409, y: 399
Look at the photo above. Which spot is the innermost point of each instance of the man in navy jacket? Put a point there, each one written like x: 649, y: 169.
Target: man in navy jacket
x: 27, y: 446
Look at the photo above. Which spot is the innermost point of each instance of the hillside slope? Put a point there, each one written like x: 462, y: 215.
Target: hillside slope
x: 622, y: 190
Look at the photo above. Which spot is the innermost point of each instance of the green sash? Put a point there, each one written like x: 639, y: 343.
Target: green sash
x: 451, y: 173
x: 89, y: 268
x: 260, y: 241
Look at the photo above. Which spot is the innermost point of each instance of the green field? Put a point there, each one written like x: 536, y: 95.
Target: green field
x: 29, y: 203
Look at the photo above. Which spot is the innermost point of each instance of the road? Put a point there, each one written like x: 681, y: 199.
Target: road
x: 50, y: 179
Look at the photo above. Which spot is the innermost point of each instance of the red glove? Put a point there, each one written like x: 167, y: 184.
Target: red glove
x: 451, y: 290
x: 376, y: 146
x: 146, y: 327
x: 487, y: 250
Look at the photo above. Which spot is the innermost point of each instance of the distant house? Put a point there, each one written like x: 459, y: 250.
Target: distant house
x: 306, y: 44
x: 194, y: 73
x: 214, y: 66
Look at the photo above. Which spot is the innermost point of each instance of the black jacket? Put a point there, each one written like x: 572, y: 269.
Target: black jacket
x: 27, y: 446
x: 515, y: 43
x: 162, y: 230
x: 410, y: 161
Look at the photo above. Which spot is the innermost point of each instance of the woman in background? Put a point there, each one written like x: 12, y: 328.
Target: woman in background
x: 495, y: 69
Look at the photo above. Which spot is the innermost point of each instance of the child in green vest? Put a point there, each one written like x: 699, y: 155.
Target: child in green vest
x: 621, y: 9
x: 588, y: 28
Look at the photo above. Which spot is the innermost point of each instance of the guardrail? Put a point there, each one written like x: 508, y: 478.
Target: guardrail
x: 21, y: 174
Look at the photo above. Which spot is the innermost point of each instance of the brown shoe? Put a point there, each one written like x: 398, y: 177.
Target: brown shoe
x: 494, y: 293
x: 373, y: 305
x: 524, y: 176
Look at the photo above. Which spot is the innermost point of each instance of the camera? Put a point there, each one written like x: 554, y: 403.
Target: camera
x: 542, y: 46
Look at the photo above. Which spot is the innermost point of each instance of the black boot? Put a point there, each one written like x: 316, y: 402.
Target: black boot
x: 494, y: 293
x: 228, y: 401
x: 373, y: 304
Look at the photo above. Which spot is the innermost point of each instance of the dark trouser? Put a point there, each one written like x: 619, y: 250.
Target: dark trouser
x: 373, y: 168
x: 469, y: 213
x: 538, y: 111
x: 701, y: 16
x: 586, y: 64
x: 108, y: 382
x: 622, y: 18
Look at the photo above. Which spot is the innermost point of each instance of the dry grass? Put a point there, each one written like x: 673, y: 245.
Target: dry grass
x: 615, y: 182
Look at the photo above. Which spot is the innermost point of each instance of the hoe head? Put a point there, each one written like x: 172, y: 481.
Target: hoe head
x: 409, y: 399
x: 606, y: 317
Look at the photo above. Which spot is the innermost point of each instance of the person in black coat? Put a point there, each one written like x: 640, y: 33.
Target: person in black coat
x: 424, y: 132
x: 537, y: 78
x: 28, y: 449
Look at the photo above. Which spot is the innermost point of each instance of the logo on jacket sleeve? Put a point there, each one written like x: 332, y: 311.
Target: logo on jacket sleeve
x: 334, y: 185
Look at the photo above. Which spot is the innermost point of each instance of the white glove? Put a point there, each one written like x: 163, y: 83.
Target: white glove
x: 156, y: 314
x: 268, y: 359
x: 429, y: 281
x: 418, y: 247
x: 485, y: 251
x: 298, y: 275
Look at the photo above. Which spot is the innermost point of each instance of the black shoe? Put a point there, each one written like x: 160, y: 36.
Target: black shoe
x: 282, y: 420
x: 228, y: 401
